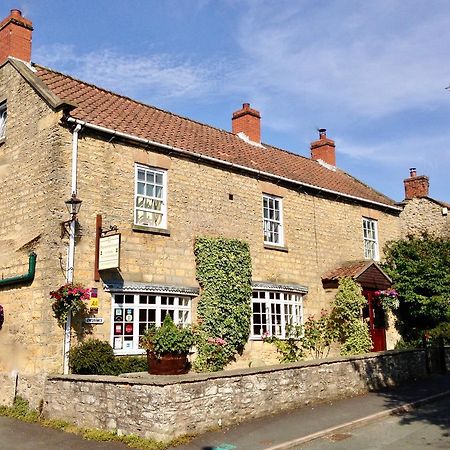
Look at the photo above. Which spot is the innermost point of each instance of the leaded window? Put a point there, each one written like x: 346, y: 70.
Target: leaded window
x: 273, y: 220
x: 3, y: 116
x: 274, y: 312
x: 150, y: 209
x: 132, y: 314
x: 370, y: 234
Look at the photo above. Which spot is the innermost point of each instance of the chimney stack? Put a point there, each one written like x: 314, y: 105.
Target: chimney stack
x: 247, y: 120
x: 416, y: 186
x: 324, y: 149
x: 15, y: 37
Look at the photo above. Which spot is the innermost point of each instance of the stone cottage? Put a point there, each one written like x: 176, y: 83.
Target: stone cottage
x: 160, y: 180
x: 422, y: 213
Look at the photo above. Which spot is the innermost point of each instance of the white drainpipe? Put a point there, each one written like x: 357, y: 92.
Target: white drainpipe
x: 71, y: 250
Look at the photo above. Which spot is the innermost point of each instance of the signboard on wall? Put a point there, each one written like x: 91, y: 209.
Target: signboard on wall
x: 109, y: 252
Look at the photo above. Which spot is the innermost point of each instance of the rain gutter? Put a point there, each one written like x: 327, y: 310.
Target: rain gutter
x: 19, y: 279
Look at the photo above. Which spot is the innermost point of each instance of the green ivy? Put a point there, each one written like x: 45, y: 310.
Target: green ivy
x: 353, y: 333
x: 224, y: 273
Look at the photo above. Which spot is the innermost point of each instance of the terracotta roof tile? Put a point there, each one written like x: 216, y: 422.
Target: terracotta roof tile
x: 109, y: 110
x: 351, y: 269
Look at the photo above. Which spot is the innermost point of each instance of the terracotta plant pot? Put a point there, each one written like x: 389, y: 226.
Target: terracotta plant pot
x: 167, y: 364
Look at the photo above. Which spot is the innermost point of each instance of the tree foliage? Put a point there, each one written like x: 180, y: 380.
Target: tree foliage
x: 224, y: 273
x: 420, y: 270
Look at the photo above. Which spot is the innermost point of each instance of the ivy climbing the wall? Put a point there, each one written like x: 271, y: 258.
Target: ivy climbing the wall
x: 224, y: 272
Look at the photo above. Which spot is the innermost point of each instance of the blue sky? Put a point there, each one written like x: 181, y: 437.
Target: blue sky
x: 373, y: 73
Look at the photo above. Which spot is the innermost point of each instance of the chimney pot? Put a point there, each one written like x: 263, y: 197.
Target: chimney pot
x: 416, y: 186
x: 15, y: 37
x: 247, y: 120
x: 324, y: 149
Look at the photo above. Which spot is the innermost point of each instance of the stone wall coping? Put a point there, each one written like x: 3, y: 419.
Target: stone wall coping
x: 143, y: 378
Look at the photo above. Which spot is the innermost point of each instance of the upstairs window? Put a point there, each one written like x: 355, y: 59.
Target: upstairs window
x: 3, y: 115
x: 150, y: 207
x: 273, y: 220
x: 370, y: 234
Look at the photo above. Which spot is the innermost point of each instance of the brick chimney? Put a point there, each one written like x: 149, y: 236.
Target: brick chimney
x: 416, y: 186
x: 324, y: 148
x: 15, y: 37
x: 247, y: 120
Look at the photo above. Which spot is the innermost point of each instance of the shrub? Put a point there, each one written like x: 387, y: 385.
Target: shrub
x: 353, y: 332
x: 92, y: 357
x: 96, y: 357
x: 168, y: 339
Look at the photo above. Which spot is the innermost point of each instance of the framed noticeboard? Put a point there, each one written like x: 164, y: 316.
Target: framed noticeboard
x: 109, y: 252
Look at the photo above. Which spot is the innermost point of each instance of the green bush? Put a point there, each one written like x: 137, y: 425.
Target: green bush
x: 168, y: 338
x: 96, y: 357
x: 92, y: 357
x: 441, y: 331
x: 353, y: 332
x: 129, y: 364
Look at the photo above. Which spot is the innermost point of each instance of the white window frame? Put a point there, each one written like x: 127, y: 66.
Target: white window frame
x: 273, y: 311
x: 180, y: 306
x: 370, y: 238
x: 163, y: 198
x: 3, y: 120
x: 272, y: 222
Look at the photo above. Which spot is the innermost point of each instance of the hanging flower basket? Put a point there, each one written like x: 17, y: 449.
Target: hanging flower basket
x: 69, y: 299
x: 388, y: 299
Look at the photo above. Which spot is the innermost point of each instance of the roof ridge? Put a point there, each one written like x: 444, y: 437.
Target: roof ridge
x: 126, y: 97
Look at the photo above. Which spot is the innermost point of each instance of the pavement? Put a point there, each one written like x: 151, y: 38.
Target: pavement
x: 288, y: 430
x: 296, y: 427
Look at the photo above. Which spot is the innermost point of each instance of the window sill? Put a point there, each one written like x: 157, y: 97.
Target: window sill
x: 151, y: 230
x: 276, y: 247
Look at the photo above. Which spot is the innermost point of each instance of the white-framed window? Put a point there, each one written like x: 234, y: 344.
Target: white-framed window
x: 150, y: 206
x: 3, y: 116
x: 132, y: 314
x: 273, y: 219
x: 273, y: 312
x: 370, y: 235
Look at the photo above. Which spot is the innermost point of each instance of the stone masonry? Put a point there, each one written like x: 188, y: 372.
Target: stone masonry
x: 165, y: 407
x: 321, y: 232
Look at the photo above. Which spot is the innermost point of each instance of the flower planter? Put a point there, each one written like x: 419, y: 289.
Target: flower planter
x: 167, y: 364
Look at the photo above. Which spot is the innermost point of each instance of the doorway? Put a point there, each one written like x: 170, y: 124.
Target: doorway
x: 374, y: 314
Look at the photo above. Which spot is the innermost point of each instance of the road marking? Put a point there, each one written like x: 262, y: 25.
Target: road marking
x: 224, y: 447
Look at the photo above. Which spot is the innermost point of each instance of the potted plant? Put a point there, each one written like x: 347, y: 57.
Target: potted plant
x: 388, y: 299
x: 69, y: 299
x: 167, y: 348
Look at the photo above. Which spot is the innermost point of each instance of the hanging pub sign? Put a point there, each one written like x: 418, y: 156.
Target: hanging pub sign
x: 109, y: 252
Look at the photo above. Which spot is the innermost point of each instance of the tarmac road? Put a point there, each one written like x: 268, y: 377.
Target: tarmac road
x: 427, y: 427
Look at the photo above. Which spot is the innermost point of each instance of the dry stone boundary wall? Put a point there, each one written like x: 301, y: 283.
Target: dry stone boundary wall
x: 162, y: 407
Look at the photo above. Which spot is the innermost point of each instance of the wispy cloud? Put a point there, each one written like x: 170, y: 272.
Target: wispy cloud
x: 159, y: 75
x: 369, y: 59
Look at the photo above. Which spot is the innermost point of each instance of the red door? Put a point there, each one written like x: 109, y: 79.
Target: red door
x: 377, y: 321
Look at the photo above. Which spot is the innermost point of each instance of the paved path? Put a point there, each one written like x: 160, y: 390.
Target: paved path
x: 289, y: 430
x: 18, y: 435
x: 282, y: 431
x: 427, y: 427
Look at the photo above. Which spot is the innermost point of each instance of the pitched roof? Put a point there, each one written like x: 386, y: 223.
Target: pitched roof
x: 366, y: 272
x: 103, y: 108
